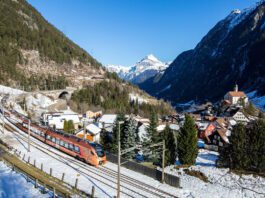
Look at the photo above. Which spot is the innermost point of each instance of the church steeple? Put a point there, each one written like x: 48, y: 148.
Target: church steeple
x: 236, y: 88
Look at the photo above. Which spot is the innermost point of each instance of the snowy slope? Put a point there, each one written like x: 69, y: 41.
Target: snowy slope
x: 14, y: 185
x: 221, y: 182
x: 9, y: 90
x: 148, y: 67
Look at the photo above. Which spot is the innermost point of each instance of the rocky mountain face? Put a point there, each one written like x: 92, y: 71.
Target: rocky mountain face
x: 148, y: 67
x: 232, y: 52
x: 32, y: 51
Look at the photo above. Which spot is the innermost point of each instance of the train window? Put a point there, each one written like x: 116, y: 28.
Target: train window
x: 48, y: 137
x: 57, y: 141
x: 66, y: 145
x: 71, y: 147
x: 77, y: 149
x: 53, y: 140
x: 61, y: 143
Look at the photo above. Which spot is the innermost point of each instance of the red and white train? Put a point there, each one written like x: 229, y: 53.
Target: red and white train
x: 91, y: 153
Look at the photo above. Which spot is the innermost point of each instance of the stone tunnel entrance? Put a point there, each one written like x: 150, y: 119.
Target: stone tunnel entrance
x: 64, y: 95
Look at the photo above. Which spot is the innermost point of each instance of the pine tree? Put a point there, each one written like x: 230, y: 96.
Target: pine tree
x: 187, y: 142
x: 170, y: 144
x: 129, y: 137
x: 105, y: 140
x: 152, y: 137
x: 256, y: 146
x: 114, y: 142
x: 235, y: 154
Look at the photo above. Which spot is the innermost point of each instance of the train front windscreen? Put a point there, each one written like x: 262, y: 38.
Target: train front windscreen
x: 99, y: 149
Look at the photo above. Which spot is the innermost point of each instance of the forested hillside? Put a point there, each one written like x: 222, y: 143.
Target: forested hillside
x: 114, y: 97
x: 26, y: 35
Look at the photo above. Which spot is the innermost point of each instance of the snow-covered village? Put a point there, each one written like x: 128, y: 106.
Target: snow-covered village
x: 95, y: 115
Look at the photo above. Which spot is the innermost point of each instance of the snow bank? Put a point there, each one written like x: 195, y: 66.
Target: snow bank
x: 38, y: 100
x: 222, y: 183
x: 14, y: 185
x: 9, y: 90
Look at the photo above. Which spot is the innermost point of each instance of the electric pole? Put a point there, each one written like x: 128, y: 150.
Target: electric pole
x: 119, y: 160
x: 29, y: 135
x: 163, y: 162
x: 3, y: 118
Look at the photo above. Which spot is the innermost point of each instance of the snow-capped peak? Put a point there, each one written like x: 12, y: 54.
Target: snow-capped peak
x: 152, y: 58
x: 236, y: 11
x: 144, y: 69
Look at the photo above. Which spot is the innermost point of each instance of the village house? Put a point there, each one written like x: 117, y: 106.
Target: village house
x: 92, y: 133
x: 237, y: 114
x: 56, y: 119
x: 107, y: 122
x: 205, y: 130
x: 236, y: 97
x: 221, y: 135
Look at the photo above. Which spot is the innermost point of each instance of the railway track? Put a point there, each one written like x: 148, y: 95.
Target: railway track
x: 107, y: 174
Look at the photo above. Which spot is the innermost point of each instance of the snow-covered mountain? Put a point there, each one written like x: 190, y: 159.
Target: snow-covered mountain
x: 232, y: 52
x: 122, y: 71
x: 146, y: 68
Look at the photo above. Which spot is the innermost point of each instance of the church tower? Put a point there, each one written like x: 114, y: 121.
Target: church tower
x: 236, y: 88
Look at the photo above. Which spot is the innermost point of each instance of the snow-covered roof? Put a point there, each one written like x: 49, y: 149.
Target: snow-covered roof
x: 108, y: 118
x: 232, y: 122
x: 91, y: 128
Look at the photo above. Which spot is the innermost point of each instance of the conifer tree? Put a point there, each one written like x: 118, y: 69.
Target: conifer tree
x: 152, y: 137
x: 187, y: 142
x: 170, y: 155
x: 234, y: 154
x: 114, y: 142
x: 129, y: 137
x: 246, y: 150
x: 256, y: 146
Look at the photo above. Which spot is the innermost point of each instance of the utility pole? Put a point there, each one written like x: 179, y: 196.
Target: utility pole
x: 29, y: 135
x: 119, y: 161
x: 3, y: 118
x: 163, y: 162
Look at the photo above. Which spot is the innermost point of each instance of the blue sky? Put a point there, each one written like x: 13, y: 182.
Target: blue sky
x: 122, y: 32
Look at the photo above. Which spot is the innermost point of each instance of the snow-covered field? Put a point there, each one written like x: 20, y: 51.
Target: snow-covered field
x: 14, y: 185
x: 222, y: 183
